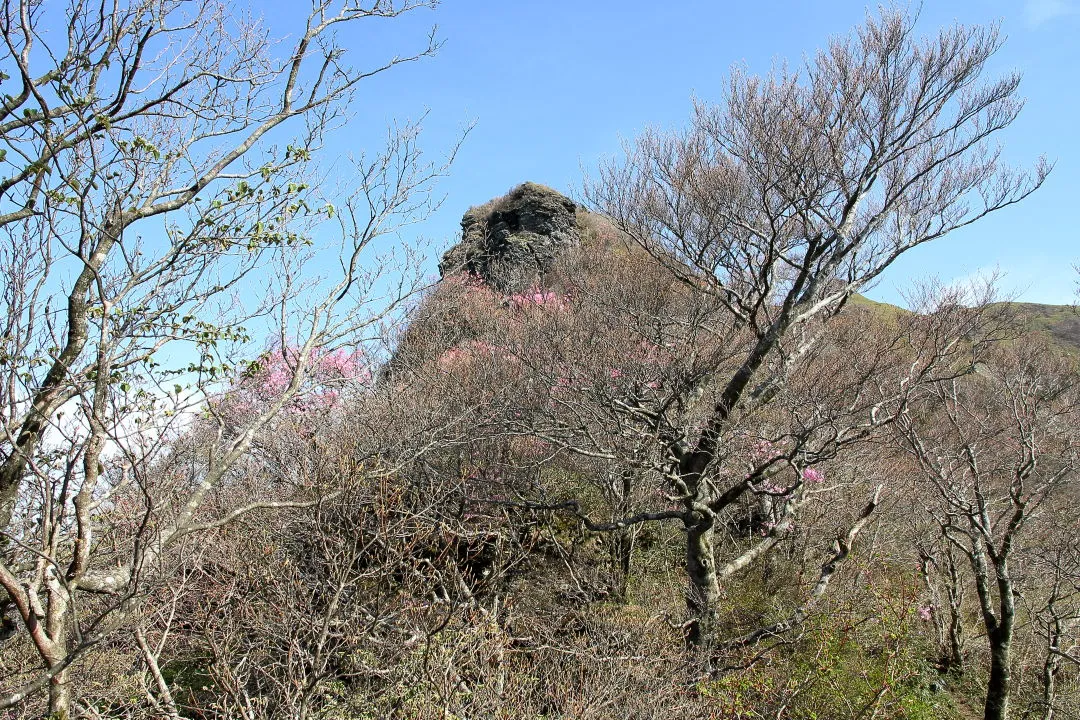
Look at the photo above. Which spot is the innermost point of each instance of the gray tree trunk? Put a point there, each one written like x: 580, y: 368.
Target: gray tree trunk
x: 997, y: 690
x: 60, y: 696
x: 703, y: 597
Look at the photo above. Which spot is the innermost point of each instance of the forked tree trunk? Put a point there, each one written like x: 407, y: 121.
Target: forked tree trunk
x: 1049, y: 682
x: 955, y: 660
x: 1051, y: 665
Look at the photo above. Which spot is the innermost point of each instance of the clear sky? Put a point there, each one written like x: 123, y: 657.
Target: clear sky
x: 554, y: 85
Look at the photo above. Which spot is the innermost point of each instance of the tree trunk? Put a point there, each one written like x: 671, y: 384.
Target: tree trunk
x: 622, y: 546
x: 997, y: 690
x: 1050, y: 668
x: 761, y: 521
x: 622, y: 541
x: 955, y: 660
x: 60, y: 696
x: 1049, y: 677
x: 703, y: 597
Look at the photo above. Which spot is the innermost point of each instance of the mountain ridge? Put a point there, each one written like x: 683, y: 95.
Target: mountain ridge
x: 509, y: 242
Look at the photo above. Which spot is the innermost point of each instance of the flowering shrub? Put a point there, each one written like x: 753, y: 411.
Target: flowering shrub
x: 329, y: 371
x: 774, y: 488
x: 465, y: 353
x: 762, y: 451
x: 538, y: 297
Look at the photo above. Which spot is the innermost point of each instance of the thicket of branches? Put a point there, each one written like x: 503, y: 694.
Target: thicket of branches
x: 688, y: 472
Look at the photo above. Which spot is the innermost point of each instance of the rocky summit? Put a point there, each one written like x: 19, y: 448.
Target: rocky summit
x: 508, y: 242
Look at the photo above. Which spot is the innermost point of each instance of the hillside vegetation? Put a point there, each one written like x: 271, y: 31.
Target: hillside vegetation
x: 647, y: 456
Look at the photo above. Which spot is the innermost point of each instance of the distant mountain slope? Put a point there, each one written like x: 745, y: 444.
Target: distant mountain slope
x: 1060, y: 322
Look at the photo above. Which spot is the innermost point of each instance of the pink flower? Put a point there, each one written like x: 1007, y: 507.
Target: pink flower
x: 276, y: 380
x: 616, y: 373
x: 538, y: 297
x: 272, y: 374
x: 925, y: 612
x: 811, y: 475
x: 763, y: 450
x: 451, y: 356
x: 340, y: 362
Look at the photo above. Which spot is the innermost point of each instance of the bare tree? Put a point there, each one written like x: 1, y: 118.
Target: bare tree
x: 946, y: 581
x: 793, y: 193
x: 1054, y: 613
x: 159, y: 210
x: 997, y: 449
x: 597, y: 372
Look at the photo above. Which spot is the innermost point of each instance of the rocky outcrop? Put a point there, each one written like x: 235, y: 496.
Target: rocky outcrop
x: 509, y: 242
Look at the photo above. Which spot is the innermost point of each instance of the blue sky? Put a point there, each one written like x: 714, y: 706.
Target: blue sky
x: 553, y: 86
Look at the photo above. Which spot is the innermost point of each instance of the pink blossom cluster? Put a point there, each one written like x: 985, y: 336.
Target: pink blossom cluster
x: 343, y: 364
x: 328, y: 371
x: 465, y: 352
x: 763, y: 450
x: 811, y: 475
x: 274, y: 378
x: 925, y: 612
x: 538, y: 297
x: 453, y: 356
x: 771, y: 487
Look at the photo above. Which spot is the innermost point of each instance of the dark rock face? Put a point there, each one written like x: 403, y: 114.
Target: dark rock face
x: 509, y: 242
